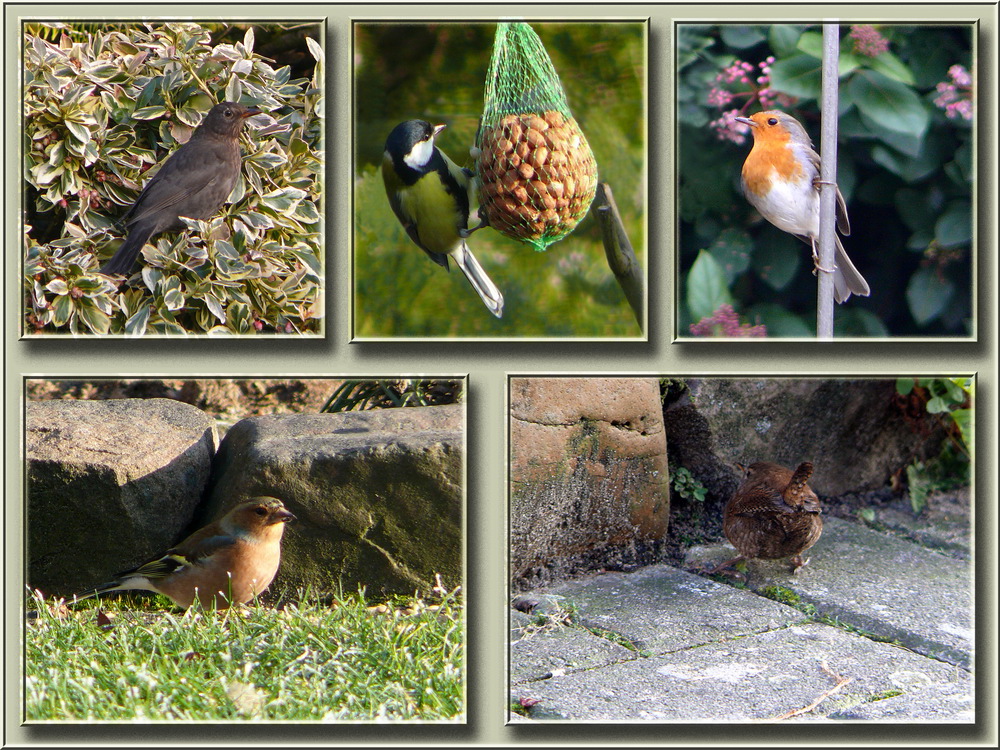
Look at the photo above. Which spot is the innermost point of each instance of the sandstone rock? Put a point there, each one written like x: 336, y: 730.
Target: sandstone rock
x: 850, y: 429
x: 110, y: 483
x: 588, y: 473
x: 378, y: 494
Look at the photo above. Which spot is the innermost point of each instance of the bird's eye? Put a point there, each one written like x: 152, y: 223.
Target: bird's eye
x: 772, y: 120
x: 229, y: 113
x: 260, y: 510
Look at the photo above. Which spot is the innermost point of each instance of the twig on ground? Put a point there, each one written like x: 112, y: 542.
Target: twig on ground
x: 841, y: 682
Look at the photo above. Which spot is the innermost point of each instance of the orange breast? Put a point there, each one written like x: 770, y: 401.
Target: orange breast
x: 769, y: 159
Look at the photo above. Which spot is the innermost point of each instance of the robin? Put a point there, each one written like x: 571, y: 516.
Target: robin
x: 193, y: 182
x: 781, y: 180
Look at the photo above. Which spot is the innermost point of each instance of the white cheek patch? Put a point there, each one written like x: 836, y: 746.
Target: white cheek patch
x: 420, y: 154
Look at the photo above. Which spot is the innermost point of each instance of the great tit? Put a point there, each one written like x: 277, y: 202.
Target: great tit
x: 430, y: 196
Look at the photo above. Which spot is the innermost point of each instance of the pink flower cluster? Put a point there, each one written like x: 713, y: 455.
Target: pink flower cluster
x: 725, y: 323
x: 955, y: 96
x: 741, y: 75
x: 868, y: 41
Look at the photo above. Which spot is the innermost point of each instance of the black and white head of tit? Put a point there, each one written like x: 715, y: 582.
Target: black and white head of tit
x: 431, y: 196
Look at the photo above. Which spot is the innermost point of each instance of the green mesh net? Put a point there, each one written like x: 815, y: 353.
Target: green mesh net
x: 538, y: 175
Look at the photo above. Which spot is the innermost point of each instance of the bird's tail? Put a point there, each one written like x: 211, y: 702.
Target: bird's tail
x: 797, y: 494
x: 123, y: 260
x: 482, y: 283
x: 847, y: 280
x: 95, y: 591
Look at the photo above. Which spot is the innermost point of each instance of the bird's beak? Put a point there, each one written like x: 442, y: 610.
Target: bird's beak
x: 437, y: 129
x: 284, y: 516
x: 746, y: 121
x: 251, y: 112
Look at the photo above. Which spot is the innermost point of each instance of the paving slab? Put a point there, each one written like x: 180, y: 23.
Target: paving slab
x: 891, y: 587
x: 943, y: 524
x: 541, y: 653
x: 661, y: 608
x: 759, y: 677
x: 666, y: 644
x: 928, y: 702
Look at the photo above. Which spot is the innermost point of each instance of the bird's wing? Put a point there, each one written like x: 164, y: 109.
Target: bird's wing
x: 191, y: 551
x: 766, y: 500
x: 411, y: 229
x: 409, y: 225
x: 843, y: 223
x: 162, y: 191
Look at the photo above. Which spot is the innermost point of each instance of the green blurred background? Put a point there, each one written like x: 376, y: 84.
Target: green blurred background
x: 437, y: 72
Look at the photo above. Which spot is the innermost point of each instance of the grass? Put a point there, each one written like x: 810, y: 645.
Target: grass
x: 344, y: 661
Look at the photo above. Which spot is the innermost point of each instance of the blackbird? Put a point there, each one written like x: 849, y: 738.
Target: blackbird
x: 193, y: 182
x: 773, y: 514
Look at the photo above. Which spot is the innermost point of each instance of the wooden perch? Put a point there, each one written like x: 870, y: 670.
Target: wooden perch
x: 618, y: 249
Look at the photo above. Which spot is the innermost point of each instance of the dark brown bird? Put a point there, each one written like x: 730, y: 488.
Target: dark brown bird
x: 193, y: 182
x: 773, y: 514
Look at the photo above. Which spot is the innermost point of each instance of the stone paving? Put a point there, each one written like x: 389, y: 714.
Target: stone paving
x: 877, y: 627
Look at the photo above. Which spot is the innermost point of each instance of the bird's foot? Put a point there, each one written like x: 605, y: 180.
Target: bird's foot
x: 466, y: 233
x: 725, y: 568
x: 818, y: 267
x: 797, y: 563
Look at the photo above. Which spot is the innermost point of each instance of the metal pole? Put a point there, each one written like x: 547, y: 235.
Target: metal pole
x: 828, y: 176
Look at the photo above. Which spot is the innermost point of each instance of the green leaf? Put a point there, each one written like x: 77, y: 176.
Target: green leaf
x: 783, y: 38
x: 706, y: 287
x: 57, y: 286
x: 856, y: 322
x: 779, y: 322
x: 150, y: 113
x: 963, y: 418
x: 954, y: 227
x: 928, y: 295
x: 283, y: 200
x: 234, y: 89
x: 904, y: 386
x: 732, y: 249
x: 238, y: 318
x: 173, y: 297
x: 96, y: 320
x: 892, y: 67
x: 315, y: 49
x: 936, y: 405
x: 136, y: 323
x: 78, y: 131
x: 797, y: 76
x: 893, y: 105
x: 742, y: 37
x: 909, y: 169
x: 215, y: 307
x: 776, y: 259
x: 811, y: 42
x: 62, y: 310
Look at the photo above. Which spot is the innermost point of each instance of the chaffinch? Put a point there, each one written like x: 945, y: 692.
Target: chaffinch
x: 231, y: 560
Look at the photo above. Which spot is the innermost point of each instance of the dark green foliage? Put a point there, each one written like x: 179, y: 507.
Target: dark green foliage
x: 904, y: 167
x: 950, y: 399
x: 384, y: 394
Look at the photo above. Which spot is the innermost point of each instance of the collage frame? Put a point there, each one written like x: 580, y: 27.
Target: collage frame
x: 488, y: 364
